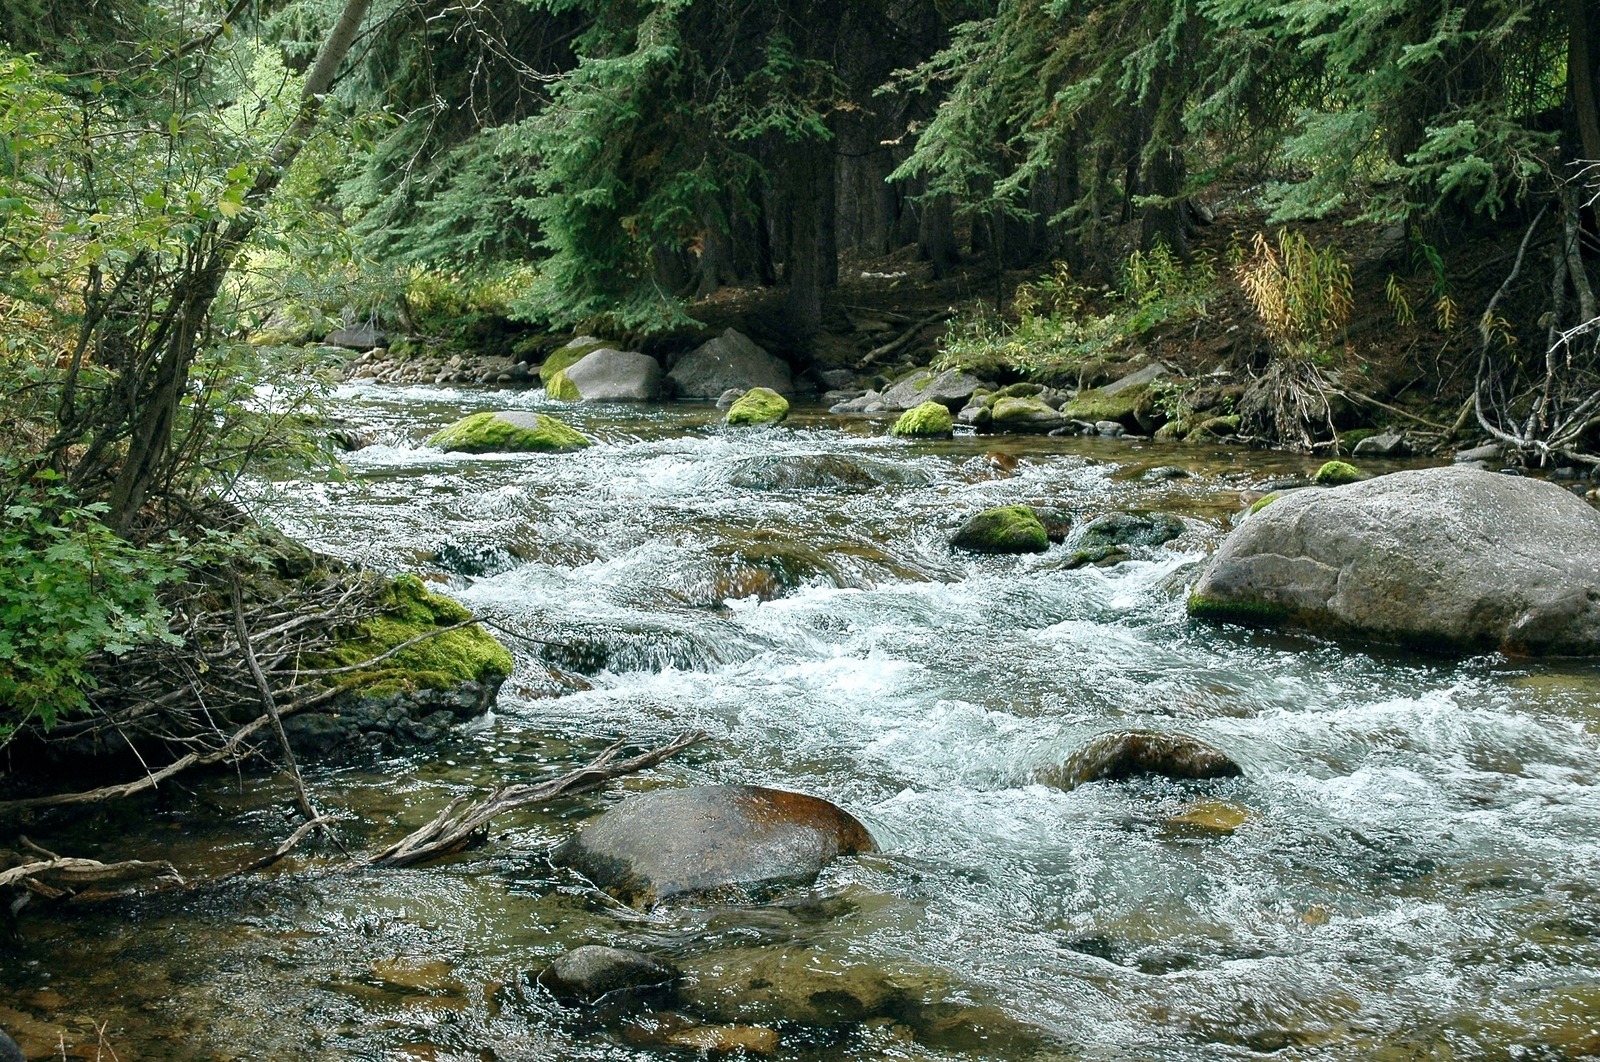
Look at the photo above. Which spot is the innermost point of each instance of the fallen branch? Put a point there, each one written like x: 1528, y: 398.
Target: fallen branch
x: 66, y: 873
x: 1357, y: 396
x: 149, y: 781
x: 457, y: 827
x: 264, y: 691
x: 905, y: 339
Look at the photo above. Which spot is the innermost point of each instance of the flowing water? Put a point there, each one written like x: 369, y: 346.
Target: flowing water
x: 1416, y: 876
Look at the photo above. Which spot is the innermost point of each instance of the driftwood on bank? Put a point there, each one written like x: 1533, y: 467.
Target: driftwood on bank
x: 461, y: 824
x: 58, y: 877
x: 904, y: 340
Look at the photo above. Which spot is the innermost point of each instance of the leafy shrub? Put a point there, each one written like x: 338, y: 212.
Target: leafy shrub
x: 70, y: 590
x: 1056, y: 331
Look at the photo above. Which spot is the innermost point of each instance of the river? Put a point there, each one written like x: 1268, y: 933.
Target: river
x: 1416, y: 874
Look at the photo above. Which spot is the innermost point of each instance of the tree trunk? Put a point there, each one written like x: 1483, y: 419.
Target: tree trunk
x: 806, y: 272
x: 1583, y: 80
x: 1167, y: 221
x: 151, y: 422
x: 936, y: 235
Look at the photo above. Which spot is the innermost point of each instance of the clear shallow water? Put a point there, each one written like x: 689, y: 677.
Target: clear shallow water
x: 1417, y: 877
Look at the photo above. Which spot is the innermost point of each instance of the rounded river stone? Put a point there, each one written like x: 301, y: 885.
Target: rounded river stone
x: 709, y: 840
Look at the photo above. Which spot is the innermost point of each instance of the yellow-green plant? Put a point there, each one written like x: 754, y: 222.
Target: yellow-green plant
x: 1302, y: 293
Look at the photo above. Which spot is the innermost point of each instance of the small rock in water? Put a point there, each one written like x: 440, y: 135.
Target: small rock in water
x: 590, y: 973
x: 1000, y: 462
x: 713, y: 842
x: 1131, y: 753
x: 1109, y: 428
x: 1165, y: 473
x: 1388, y: 444
x: 726, y: 1039
x: 1105, y: 539
x: 9, y: 1051
x: 1210, y: 816
x: 729, y: 397
x: 1007, y: 529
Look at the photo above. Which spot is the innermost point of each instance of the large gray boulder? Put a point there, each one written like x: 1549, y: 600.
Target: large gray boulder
x: 721, y: 841
x: 732, y: 360
x: 607, y: 375
x: 951, y: 389
x: 1452, y: 559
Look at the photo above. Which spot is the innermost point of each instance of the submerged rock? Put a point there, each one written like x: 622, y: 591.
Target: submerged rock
x: 509, y: 431
x: 1133, y: 753
x: 759, y: 405
x: 1107, y: 539
x: 731, y: 361
x: 1007, y: 529
x: 823, y: 472
x: 9, y: 1051
x: 1445, y: 559
x: 607, y: 375
x: 593, y: 972
x: 929, y: 420
x: 712, y: 842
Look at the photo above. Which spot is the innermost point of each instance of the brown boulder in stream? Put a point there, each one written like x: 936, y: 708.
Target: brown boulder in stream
x: 1131, y: 753
x: 720, y: 842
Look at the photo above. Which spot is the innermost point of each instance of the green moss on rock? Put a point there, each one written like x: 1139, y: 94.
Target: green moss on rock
x: 1213, y: 428
x: 561, y: 387
x: 1245, y: 613
x: 1349, y: 440
x: 759, y: 405
x: 1007, y: 529
x: 1094, y: 405
x: 927, y: 419
x: 1336, y: 473
x: 1263, y: 502
x: 441, y: 662
x: 566, y: 357
x: 512, y: 431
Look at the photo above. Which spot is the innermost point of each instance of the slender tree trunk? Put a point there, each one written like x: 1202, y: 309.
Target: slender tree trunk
x: 808, y: 215
x: 936, y: 235
x: 195, y: 290
x: 1583, y: 79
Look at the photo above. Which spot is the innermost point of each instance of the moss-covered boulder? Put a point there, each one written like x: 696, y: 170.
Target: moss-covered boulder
x: 1095, y: 405
x: 1007, y: 529
x: 1023, y: 416
x: 1108, y: 539
x: 567, y: 356
x: 1213, y: 429
x: 1337, y: 473
x: 561, y: 387
x: 759, y: 405
x: 930, y: 419
x: 446, y: 650
x: 509, y: 431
